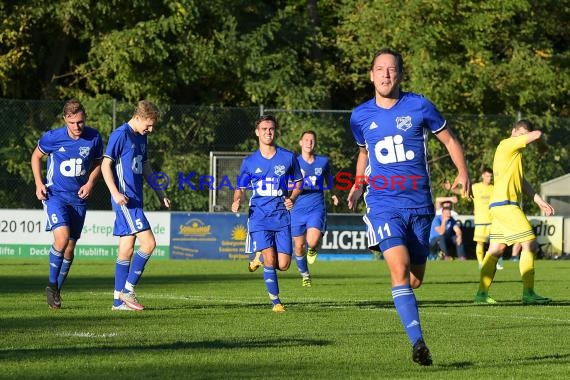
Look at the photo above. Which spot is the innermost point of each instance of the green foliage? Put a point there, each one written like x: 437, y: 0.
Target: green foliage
x: 470, y: 58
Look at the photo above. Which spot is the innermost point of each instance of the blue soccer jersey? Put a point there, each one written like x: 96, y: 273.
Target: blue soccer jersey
x: 316, y: 178
x: 396, y: 141
x: 69, y: 161
x: 269, y: 178
x: 128, y: 150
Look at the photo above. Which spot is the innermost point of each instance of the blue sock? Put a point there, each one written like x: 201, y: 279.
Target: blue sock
x: 137, y: 268
x: 270, y: 278
x: 407, y: 308
x: 302, y: 265
x: 65, y: 265
x: 121, y: 273
x: 55, y: 261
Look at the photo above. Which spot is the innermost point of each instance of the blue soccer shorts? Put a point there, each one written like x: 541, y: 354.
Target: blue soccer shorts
x: 391, y: 227
x: 61, y: 213
x: 280, y: 240
x: 129, y: 220
x: 302, y: 220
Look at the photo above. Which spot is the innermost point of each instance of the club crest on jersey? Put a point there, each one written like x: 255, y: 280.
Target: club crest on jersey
x: 318, y: 171
x: 404, y: 123
x: 84, y: 151
x: 279, y: 169
x: 143, y: 148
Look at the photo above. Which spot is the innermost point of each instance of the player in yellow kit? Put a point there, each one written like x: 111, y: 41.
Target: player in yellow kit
x: 482, y: 192
x: 509, y: 224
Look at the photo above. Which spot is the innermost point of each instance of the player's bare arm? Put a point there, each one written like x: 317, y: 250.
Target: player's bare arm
x: 85, y: 190
x: 238, y: 194
x: 36, y: 162
x: 147, y: 171
x: 545, y: 207
x: 290, y: 200
x: 107, y: 171
x: 453, y: 146
x: 357, y: 187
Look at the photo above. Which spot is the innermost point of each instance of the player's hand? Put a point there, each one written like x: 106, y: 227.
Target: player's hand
x: 335, y: 200
x: 354, y: 195
x: 545, y: 207
x: 41, y: 192
x: 120, y: 199
x: 463, y: 182
x: 85, y: 191
x: 288, y: 203
x: 235, y: 205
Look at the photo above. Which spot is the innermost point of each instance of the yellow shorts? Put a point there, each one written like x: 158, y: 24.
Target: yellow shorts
x: 482, y: 232
x: 509, y: 225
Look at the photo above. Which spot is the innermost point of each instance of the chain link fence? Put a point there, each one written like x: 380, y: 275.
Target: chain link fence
x: 181, y: 146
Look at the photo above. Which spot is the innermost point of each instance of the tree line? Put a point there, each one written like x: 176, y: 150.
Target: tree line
x: 472, y: 59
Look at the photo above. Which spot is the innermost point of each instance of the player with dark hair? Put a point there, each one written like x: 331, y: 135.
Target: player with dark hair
x: 391, y: 131
x: 125, y: 166
x: 267, y: 172
x: 74, y: 153
x: 509, y: 224
x: 309, y: 214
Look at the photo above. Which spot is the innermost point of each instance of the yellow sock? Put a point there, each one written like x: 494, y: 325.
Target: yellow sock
x: 480, y: 252
x: 526, y: 267
x: 487, y: 272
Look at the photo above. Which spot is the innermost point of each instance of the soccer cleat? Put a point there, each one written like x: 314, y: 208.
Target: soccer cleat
x: 306, y: 282
x: 255, y: 263
x: 130, y: 299
x: 122, y: 307
x: 531, y: 298
x: 53, y: 299
x: 482, y: 298
x: 421, y: 354
x: 500, y: 267
x: 278, y: 308
x: 311, y: 255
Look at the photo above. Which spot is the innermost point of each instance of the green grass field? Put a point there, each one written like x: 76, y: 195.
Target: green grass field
x: 213, y: 320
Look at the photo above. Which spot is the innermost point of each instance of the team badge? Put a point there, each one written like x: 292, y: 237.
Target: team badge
x: 318, y: 171
x: 84, y: 151
x: 404, y: 123
x: 143, y: 148
x: 279, y: 169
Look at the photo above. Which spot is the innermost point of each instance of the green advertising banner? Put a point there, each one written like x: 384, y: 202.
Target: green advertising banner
x: 22, y: 234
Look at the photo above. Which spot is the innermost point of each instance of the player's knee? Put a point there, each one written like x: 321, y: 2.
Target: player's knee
x: 415, y: 283
x: 285, y: 266
x: 148, y: 246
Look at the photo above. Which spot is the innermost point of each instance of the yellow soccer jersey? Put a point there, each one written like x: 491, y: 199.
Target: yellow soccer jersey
x: 481, y: 197
x: 508, y: 171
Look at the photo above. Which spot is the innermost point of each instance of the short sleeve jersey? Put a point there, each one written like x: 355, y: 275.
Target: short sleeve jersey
x: 316, y: 178
x: 481, y: 197
x: 128, y: 150
x: 268, y: 179
x: 508, y: 171
x: 396, y: 141
x: 69, y: 161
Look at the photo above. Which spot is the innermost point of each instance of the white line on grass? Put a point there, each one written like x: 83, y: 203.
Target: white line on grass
x: 85, y: 334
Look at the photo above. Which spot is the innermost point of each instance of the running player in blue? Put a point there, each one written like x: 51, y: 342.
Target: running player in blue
x: 309, y: 214
x: 74, y: 154
x: 392, y: 130
x: 267, y: 172
x: 125, y: 166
